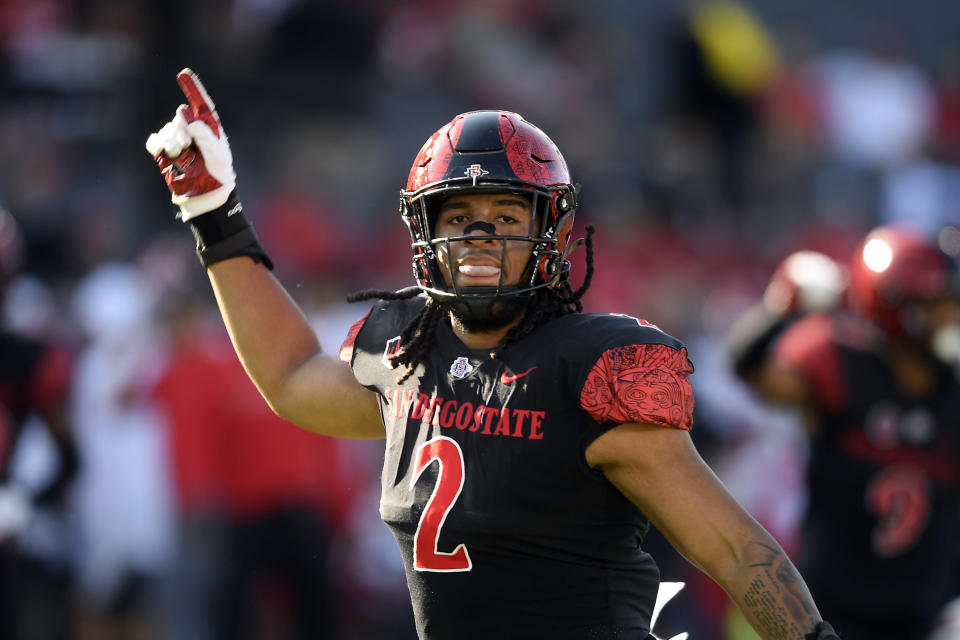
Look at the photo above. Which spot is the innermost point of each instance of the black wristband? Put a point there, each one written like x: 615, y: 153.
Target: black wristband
x: 225, y: 233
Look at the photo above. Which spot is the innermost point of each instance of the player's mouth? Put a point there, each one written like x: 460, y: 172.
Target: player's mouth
x: 478, y: 267
x: 479, y: 270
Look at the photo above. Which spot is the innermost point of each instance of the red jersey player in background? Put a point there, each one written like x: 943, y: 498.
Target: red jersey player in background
x: 876, y: 378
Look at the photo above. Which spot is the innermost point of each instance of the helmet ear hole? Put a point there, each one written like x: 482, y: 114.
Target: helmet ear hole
x: 554, y: 265
x: 567, y: 201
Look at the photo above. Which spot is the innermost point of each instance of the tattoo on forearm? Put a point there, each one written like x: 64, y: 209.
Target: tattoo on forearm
x: 776, y: 596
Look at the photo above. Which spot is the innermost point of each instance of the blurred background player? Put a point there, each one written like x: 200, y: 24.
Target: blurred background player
x: 35, y: 379
x: 804, y: 282
x: 877, y: 381
x: 258, y: 503
x: 121, y: 518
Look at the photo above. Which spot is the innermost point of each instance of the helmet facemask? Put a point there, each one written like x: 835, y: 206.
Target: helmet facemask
x: 490, y: 306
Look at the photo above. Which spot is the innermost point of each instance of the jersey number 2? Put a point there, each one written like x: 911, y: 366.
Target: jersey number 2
x: 426, y: 556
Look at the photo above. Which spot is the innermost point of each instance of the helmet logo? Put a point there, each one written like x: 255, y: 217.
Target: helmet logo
x: 475, y: 171
x: 460, y: 367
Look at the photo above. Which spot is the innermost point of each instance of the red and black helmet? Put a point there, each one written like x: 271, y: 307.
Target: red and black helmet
x: 805, y: 281
x: 893, y: 269
x: 495, y: 151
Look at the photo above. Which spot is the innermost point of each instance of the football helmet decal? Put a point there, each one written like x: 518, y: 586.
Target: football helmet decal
x: 483, y: 151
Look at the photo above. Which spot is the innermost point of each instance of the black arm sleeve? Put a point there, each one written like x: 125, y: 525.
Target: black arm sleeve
x: 751, y: 337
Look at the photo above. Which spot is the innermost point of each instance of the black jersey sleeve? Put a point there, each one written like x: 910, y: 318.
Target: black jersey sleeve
x: 636, y: 373
x: 350, y: 342
x: 376, y: 336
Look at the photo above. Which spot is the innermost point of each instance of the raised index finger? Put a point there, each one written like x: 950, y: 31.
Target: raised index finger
x: 200, y: 103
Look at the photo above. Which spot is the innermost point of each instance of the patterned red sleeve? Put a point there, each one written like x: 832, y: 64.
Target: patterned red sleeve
x: 346, y: 349
x: 647, y: 383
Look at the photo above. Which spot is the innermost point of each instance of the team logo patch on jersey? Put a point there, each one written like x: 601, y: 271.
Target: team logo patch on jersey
x: 393, y: 346
x: 460, y: 367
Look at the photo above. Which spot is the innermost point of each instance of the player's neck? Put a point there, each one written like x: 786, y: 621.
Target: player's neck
x: 483, y: 339
x: 913, y: 369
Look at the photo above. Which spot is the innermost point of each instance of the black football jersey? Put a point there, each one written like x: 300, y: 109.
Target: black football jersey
x: 880, y: 538
x: 34, y: 375
x: 504, y: 529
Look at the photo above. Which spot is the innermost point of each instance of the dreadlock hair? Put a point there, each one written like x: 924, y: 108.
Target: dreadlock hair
x: 544, y: 305
x: 417, y: 335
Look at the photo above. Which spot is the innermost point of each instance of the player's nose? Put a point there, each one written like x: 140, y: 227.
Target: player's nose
x: 482, y: 229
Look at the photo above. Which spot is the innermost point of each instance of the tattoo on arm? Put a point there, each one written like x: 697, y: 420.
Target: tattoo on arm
x: 777, y: 597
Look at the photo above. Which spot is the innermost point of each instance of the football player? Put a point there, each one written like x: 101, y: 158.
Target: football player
x: 877, y: 380
x: 529, y: 446
x: 35, y: 381
x: 804, y: 282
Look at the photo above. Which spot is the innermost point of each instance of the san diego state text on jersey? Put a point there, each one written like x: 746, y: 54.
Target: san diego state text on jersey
x: 465, y: 416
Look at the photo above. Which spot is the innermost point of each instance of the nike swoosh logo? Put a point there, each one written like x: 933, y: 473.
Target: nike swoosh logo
x: 505, y: 379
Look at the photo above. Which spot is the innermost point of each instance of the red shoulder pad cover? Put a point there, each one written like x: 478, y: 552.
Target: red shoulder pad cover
x: 809, y: 346
x: 346, y: 349
x: 644, y: 383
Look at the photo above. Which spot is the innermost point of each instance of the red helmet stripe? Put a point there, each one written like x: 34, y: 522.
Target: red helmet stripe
x: 531, y: 155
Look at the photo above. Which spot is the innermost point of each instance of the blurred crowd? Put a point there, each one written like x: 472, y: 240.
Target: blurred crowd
x: 711, y: 139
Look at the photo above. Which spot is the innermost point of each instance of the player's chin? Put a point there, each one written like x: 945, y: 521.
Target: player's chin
x: 479, y: 316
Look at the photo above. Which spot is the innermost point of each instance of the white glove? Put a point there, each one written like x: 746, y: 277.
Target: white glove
x: 193, y: 153
x: 15, y: 511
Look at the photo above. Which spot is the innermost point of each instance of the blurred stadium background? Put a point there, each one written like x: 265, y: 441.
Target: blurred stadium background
x: 711, y: 139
